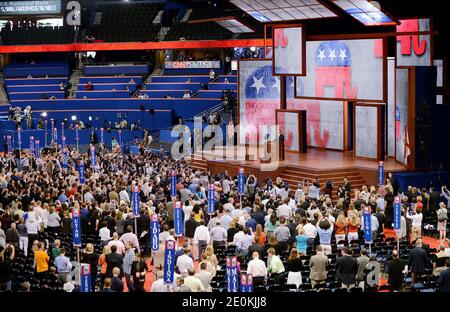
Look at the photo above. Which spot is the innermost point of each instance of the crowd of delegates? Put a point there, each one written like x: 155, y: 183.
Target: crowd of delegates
x: 300, y: 238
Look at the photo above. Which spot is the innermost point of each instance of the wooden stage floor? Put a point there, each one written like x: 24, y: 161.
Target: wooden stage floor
x: 314, y: 159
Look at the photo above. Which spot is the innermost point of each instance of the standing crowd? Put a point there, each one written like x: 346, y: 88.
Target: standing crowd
x: 301, y: 239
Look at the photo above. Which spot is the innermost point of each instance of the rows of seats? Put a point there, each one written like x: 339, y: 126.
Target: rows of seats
x: 35, y: 81
x: 229, y: 78
x: 31, y: 88
x: 38, y: 35
x: 111, y: 79
x: 103, y: 94
x: 180, y: 78
x: 113, y: 69
x: 160, y: 94
x: 194, y: 86
x: 210, y: 94
x: 222, y: 86
x: 110, y: 86
x: 41, y: 70
x: 125, y: 22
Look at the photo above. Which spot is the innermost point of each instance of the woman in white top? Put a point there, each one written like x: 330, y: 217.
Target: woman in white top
x: 53, y: 221
x: 416, y: 219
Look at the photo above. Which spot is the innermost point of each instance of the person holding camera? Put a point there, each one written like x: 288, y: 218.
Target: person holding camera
x: 446, y: 194
x: 442, y: 221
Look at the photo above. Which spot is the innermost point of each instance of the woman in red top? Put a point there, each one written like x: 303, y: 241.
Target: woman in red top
x: 340, y: 227
x: 260, y: 236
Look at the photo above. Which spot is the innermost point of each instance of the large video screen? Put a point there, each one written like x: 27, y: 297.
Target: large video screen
x: 366, y: 131
x: 259, y: 97
x: 344, y: 70
x: 289, y: 126
x: 325, y: 122
x: 46, y: 7
x: 289, y: 51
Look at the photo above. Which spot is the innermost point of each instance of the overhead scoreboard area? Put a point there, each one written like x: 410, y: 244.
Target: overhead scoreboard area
x: 33, y: 7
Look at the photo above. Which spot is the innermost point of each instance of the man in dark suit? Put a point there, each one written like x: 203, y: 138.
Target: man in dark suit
x: 281, y: 141
x: 258, y: 216
x: 107, y: 285
x: 93, y: 137
x: 347, y: 187
x: 435, y: 199
x: 444, y: 278
x: 113, y: 260
x: 190, y: 226
x: 417, y: 260
x: 395, y: 271
x: 256, y: 247
x: 346, y: 269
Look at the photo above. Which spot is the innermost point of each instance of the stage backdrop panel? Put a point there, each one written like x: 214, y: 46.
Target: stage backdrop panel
x: 289, y: 46
x: 343, y: 70
x: 391, y: 108
x: 259, y: 97
x: 324, y: 119
x: 289, y: 126
x: 366, y: 131
x: 414, y: 50
x: 401, y: 112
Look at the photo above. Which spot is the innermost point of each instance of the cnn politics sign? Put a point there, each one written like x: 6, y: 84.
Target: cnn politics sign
x: 192, y: 64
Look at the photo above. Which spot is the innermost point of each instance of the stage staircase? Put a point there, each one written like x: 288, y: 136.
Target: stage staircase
x: 198, y: 162
x: 295, y: 175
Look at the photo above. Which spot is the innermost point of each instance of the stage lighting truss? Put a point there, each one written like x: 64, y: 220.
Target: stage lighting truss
x: 234, y: 26
x: 267, y: 11
x: 365, y: 12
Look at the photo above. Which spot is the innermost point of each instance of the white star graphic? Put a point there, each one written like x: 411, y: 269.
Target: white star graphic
x: 258, y: 84
x: 321, y: 55
x: 342, y: 54
x: 332, y: 54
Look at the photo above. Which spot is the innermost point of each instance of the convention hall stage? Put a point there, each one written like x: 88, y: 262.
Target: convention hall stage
x: 316, y: 163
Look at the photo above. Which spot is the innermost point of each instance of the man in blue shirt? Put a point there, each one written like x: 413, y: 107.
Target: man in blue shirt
x: 63, y: 265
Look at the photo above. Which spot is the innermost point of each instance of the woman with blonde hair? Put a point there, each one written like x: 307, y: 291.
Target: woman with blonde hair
x: 53, y: 221
x: 102, y: 262
x: 211, y: 257
x: 260, y: 236
x: 353, y: 225
x: 91, y: 257
x: 340, y: 227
